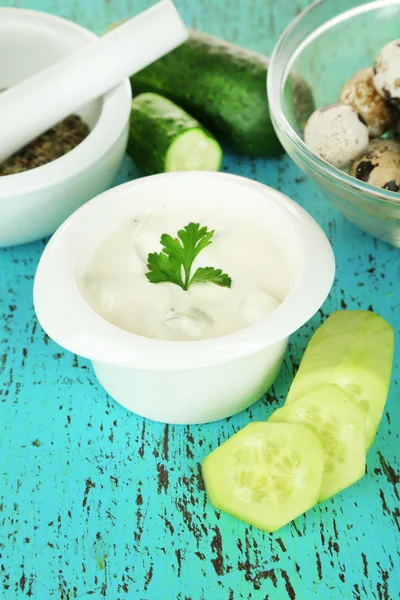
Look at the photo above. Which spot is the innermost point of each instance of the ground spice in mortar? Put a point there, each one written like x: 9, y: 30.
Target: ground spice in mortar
x: 52, y: 144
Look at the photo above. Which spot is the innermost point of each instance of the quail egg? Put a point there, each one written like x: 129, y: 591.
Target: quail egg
x: 360, y: 93
x: 387, y: 72
x: 381, y: 169
x: 337, y: 134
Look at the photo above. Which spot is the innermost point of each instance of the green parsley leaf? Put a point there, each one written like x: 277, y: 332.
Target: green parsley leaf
x: 164, y: 268
x: 212, y: 275
x: 175, y: 262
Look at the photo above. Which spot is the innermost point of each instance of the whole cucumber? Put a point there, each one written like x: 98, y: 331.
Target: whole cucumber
x: 164, y: 138
x: 222, y: 85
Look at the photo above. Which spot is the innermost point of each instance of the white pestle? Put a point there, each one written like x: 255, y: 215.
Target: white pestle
x: 31, y: 107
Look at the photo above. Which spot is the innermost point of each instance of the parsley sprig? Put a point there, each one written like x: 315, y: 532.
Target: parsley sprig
x: 174, y: 263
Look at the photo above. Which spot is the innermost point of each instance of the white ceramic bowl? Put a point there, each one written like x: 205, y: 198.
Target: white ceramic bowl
x: 182, y: 382
x: 34, y: 203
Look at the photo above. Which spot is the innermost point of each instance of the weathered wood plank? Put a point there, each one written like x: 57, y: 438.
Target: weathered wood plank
x: 96, y: 502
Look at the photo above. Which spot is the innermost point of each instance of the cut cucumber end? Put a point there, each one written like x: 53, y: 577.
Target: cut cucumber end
x: 194, y: 150
x: 267, y: 474
x: 340, y: 424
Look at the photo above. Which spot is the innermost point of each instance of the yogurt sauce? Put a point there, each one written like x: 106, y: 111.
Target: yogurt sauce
x: 115, y: 285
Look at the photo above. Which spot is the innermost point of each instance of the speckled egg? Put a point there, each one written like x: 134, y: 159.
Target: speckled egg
x: 381, y: 169
x: 387, y: 72
x: 360, y: 93
x: 337, y: 134
x: 384, y: 144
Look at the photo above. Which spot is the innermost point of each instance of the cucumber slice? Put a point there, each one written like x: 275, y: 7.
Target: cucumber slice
x: 163, y: 137
x: 194, y: 150
x: 267, y: 474
x: 340, y: 423
x: 353, y: 349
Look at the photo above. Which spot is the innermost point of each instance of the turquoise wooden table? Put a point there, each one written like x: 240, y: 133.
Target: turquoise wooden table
x: 96, y: 502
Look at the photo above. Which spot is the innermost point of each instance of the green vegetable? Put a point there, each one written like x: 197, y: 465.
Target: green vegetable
x: 267, y: 474
x: 175, y: 262
x: 222, y: 85
x: 163, y: 138
x: 340, y: 424
x: 353, y: 349
x: 262, y: 475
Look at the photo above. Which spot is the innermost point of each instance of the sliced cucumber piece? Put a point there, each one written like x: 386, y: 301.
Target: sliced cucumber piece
x: 340, y: 423
x: 163, y: 137
x: 353, y: 349
x: 194, y: 150
x: 267, y: 474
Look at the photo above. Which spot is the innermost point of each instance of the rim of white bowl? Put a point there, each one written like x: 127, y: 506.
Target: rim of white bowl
x: 111, y: 123
x: 69, y: 320
x: 277, y: 75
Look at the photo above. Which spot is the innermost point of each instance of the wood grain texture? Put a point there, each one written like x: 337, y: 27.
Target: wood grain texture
x: 96, y: 502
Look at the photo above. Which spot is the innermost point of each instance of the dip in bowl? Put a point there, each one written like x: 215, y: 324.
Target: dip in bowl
x: 195, y: 372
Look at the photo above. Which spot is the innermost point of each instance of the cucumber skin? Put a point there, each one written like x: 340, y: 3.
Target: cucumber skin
x: 222, y: 85
x: 335, y: 351
x: 155, y: 122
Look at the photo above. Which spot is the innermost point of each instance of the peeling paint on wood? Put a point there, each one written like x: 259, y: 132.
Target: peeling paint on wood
x: 96, y: 502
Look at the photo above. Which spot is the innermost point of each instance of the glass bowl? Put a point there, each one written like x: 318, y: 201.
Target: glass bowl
x: 325, y: 45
